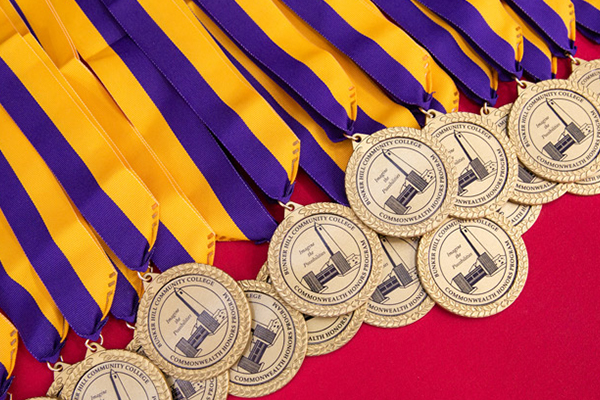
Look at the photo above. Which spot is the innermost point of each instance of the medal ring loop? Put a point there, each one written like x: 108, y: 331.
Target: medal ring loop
x: 485, y: 110
x: 57, y: 366
x: 522, y: 84
x: 93, y: 346
x: 574, y: 61
x: 144, y: 277
x: 429, y: 113
x: 130, y: 326
x: 354, y: 138
x: 288, y: 206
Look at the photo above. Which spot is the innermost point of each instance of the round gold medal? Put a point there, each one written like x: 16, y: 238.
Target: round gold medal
x: 215, y: 388
x: 400, y: 182
x: 521, y: 216
x: 193, y: 322
x: 118, y: 374
x: 326, y: 334
x: 399, y: 299
x: 485, y: 161
x: 530, y: 188
x: 555, y: 127
x: 324, y: 261
x: 278, y: 345
x: 474, y: 268
x: 587, y: 74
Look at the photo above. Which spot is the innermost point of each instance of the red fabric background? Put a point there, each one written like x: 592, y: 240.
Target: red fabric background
x: 544, y: 346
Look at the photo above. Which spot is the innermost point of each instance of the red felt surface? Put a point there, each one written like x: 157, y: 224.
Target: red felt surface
x: 544, y: 346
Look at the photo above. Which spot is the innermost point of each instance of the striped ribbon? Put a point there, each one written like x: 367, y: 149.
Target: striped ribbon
x: 27, y: 301
x: 387, y: 54
x: 183, y: 234
x: 471, y: 73
x: 106, y: 192
x: 54, y: 237
x: 190, y: 60
x: 554, y: 20
x: 588, y: 18
x: 173, y: 131
x: 538, y: 62
x: 8, y: 355
x: 488, y: 29
x: 309, y: 74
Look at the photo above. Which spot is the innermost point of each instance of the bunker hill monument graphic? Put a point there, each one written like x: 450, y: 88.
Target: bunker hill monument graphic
x: 484, y: 266
x: 477, y: 169
x: 338, y: 264
x: 207, y: 324
x: 414, y: 184
x: 400, y: 277
x: 572, y: 134
x: 263, y: 338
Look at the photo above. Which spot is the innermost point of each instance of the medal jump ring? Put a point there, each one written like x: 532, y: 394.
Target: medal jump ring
x: 429, y: 113
x: 57, y: 367
x: 144, y: 277
x: 93, y: 346
x: 485, y: 109
x: 522, y: 84
x: 354, y: 138
x: 130, y: 326
x: 574, y: 61
x: 289, y: 206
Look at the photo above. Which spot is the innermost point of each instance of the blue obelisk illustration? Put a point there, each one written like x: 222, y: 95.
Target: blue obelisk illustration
x: 476, y: 170
x: 483, y: 266
x: 337, y: 265
x: 414, y: 184
x: 573, y: 134
x: 184, y: 390
x: 118, y: 386
x: 400, y: 277
x: 206, y: 324
x: 263, y: 337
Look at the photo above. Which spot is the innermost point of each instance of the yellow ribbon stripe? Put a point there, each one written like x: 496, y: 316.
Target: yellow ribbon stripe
x: 9, y: 342
x: 177, y: 213
x: 231, y: 87
x: 146, y: 117
x: 463, y: 44
x: 68, y: 229
x: 566, y: 11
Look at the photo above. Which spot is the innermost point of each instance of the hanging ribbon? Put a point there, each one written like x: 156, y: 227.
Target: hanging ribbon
x: 183, y: 234
x: 109, y: 195
x: 554, y: 20
x: 54, y: 237
x: 310, y: 75
x: 27, y: 301
x: 588, y: 18
x: 488, y: 29
x: 9, y: 344
x: 471, y: 73
x: 183, y: 143
x: 190, y: 60
x: 538, y: 61
x: 389, y: 56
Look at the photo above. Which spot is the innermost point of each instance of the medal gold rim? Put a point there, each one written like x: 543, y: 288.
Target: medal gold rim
x: 356, y: 320
x: 102, y: 356
x: 302, y: 305
x: 397, y: 321
x: 143, y: 336
x: 511, y: 156
x: 372, y: 220
x: 299, y: 351
x: 529, y: 220
x: 59, y: 381
x: 222, y: 380
x: 579, y: 71
x: 475, y: 311
x: 513, y: 123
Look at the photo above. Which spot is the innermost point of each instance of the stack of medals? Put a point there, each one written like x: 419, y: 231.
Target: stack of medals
x: 436, y: 216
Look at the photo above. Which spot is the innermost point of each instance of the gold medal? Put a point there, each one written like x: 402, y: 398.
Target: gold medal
x: 323, y: 260
x: 587, y: 74
x: 399, y: 299
x: 473, y: 268
x: 485, y: 161
x: 530, y: 188
x: 278, y: 345
x: 193, y: 321
x: 215, y: 388
x: 326, y: 334
x: 555, y: 128
x: 400, y: 182
x: 118, y: 374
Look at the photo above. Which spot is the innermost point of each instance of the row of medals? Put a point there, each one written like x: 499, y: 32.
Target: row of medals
x: 436, y: 217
